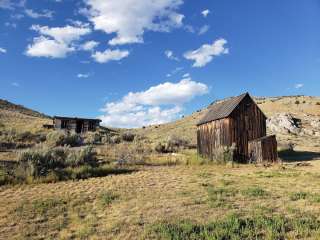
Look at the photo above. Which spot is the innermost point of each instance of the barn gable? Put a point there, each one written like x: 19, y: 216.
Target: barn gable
x: 224, y: 108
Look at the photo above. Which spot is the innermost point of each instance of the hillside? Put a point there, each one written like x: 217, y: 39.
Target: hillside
x: 305, y: 108
x: 20, y: 118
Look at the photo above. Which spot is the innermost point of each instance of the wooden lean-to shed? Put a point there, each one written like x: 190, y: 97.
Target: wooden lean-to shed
x: 263, y: 149
x: 234, y: 121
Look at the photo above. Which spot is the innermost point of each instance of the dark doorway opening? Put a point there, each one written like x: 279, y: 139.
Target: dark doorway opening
x: 79, y: 126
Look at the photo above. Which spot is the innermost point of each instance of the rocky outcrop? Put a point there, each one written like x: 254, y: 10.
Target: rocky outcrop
x: 284, y: 123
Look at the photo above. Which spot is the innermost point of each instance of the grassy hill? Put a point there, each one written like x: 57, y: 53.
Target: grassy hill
x: 20, y: 118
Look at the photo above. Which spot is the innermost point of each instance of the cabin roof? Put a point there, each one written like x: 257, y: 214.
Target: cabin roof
x: 76, y: 118
x: 222, y: 109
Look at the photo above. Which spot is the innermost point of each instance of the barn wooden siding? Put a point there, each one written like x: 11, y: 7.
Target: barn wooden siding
x: 245, y: 122
x: 263, y: 149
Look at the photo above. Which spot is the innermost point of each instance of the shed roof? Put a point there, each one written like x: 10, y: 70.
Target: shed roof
x: 76, y: 118
x: 222, y: 109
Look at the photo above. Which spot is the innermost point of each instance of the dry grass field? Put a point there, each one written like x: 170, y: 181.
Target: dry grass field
x: 173, y: 196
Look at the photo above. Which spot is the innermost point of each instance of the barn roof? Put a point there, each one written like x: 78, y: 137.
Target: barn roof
x: 222, y: 109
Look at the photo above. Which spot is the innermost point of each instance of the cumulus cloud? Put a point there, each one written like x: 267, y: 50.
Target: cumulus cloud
x: 2, y: 50
x: 203, y: 29
x: 44, y: 14
x: 207, y: 52
x: 55, y: 42
x: 205, y: 12
x: 129, y: 19
x: 110, y: 55
x: 298, y: 85
x: 159, y: 104
x: 169, y: 54
x: 89, y: 45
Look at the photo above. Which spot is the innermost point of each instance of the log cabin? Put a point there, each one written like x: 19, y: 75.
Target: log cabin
x: 77, y: 125
x: 232, y: 122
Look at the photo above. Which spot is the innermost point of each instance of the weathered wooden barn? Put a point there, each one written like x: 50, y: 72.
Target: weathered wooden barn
x: 234, y: 121
x: 77, y: 125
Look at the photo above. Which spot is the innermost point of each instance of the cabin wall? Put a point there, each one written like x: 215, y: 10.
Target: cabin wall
x: 75, y: 125
x: 247, y: 122
x: 213, y: 135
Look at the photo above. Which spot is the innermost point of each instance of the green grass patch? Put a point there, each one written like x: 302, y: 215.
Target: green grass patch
x: 255, y: 192
x: 220, y: 197
x: 107, y: 198
x: 295, y: 196
x: 236, y: 227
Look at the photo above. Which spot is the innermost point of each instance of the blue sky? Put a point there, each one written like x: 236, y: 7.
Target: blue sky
x: 140, y: 62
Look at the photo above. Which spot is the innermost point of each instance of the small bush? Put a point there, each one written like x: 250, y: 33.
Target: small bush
x: 172, y: 144
x: 115, y: 140
x: 92, y: 138
x: 128, y: 137
x: 80, y: 157
x: 318, y: 103
x: 297, y: 102
x: 61, y: 138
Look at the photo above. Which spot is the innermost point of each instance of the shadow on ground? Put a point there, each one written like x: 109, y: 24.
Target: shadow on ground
x: 298, y: 156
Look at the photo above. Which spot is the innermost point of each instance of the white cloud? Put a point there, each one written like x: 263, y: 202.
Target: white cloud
x: 170, y: 55
x: 45, y: 47
x: 158, y: 104
x: 207, y: 52
x: 83, y: 75
x: 2, y: 50
x: 205, y: 12
x: 55, y: 42
x: 15, y: 84
x: 186, y: 75
x: 298, y: 85
x: 129, y: 19
x: 203, y: 29
x: 11, y: 5
x: 110, y: 55
x: 44, y: 14
x: 89, y: 45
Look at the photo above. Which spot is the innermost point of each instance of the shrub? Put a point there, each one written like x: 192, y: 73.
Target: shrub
x: 92, y: 138
x: 297, y: 102
x: 61, y: 138
x: 172, y: 144
x: 41, y: 160
x: 128, y: 136
x: 318, y: 103
x: 80, y: 157
x: 115, y: 139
